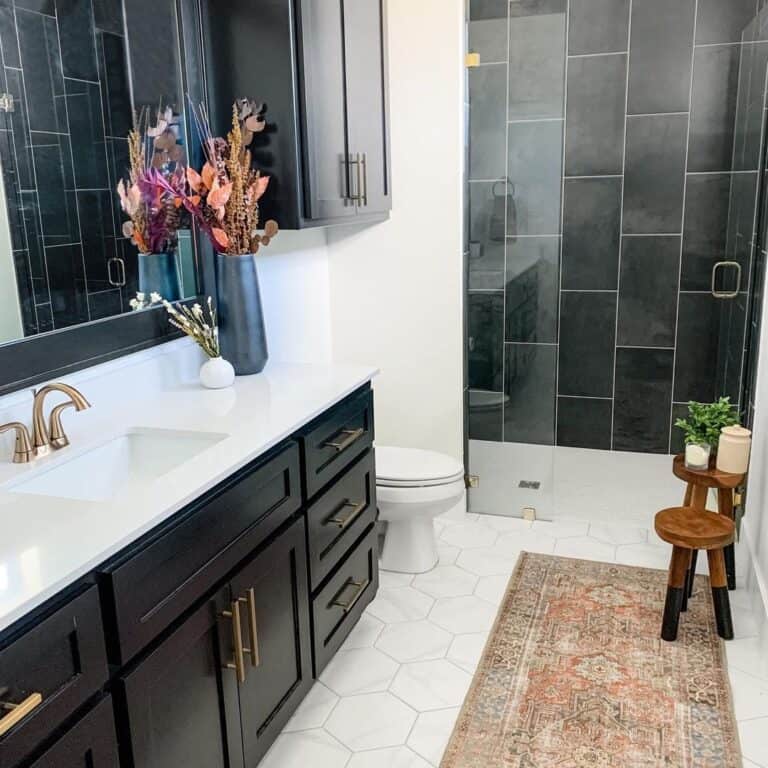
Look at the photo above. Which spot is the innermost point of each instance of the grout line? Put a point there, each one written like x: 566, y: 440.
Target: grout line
x: 480, y: 181
x: 589, y: 290
x: 594, y: 55
x: 652, y: 234
x: 596, y: 176
x: 506, y: 225
x: 586, y: 397
x: 536, y: 120
x: 720, y: 45
x: 641, y: 346
x: 532, y: 343
x: 661, y: 114
x: 719, y: 173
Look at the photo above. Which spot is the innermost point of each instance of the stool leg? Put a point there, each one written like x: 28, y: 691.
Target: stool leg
x: 719, y: 582
x: 688, y: 494
x: 676, y: 585
x: 725, y: 507
x: 699, y: 497
x: 692, y: 571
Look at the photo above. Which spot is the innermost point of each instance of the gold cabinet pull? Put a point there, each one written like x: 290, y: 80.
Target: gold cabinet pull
x: 17, y: 712
x: 253, y: 627
x: 364, y: 163
x: 344, y: 521
x: 237, y: 641
x: 350, y: 436
x: 348, y: 605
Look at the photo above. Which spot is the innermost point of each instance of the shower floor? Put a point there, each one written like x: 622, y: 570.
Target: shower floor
x: 574, y: 483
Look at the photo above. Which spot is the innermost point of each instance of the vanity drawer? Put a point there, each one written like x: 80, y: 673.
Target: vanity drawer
x: 151, y: 586
x: 50, y: 671
x: 90, y: 743
x: 338, y: 606
x: 340, y: 516
x: 336, y: 439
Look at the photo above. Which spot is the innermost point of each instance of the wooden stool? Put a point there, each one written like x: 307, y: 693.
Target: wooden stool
x: 689, y: 530
x: 699, y: 481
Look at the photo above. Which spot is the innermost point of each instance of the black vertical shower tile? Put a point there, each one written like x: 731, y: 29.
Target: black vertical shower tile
x: 536, y: 65
x: 733, y: 337
x: 598, y: 26
x: 660, y: 56
x: 20, y: 160
x: 594, y: 141
x: 485, y: 414
x: 584, y: 422
x: 76, y: 30
x: 741, y: 222
x: 108, y: 16
x: 713, y: 108
x: 587, y: 340
x: 86, y: 128
x: 105, y: 304
x: 643, y: 400
x: 722, y: 22
x: 487, y: 233
x: 30, y: 211
x: 485, y: 318
x: 41, y: 61
x: 113, y: 76
x: 705, y: 229
x: 25, y: 292
x: 98, y: 237
x: 679, y: 411
x: 532, y: 290
x: 487, y: 121
x: 69, y: 303
x: 118, y: 166
x: 697, y: 337
x: 47, y: 7
x: 529, y: 384
x: 648, y: 291
x: 591, y: 234
x: 44, y: 318
x: 488, y: 29
x: 8, y: 39
x: 15, y: 218
x: 535, y: 173
x: 655, y: 174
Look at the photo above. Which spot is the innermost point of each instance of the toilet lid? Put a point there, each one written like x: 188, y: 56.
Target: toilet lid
x: 414, y: 466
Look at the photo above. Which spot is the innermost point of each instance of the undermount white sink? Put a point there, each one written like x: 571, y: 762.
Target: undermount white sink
x: 128, y: 462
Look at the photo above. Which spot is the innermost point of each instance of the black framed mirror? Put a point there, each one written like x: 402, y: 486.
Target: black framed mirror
x: 73, y: 73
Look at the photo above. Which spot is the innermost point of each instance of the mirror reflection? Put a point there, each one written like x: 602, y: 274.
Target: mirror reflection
x: 74, y: 76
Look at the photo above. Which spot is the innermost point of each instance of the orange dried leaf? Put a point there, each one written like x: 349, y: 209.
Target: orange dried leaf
x: 220, y: 236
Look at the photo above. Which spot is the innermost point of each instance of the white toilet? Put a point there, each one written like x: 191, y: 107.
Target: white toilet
x: 413, y: 487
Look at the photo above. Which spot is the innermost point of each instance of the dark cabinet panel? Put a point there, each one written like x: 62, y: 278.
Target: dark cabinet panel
x: 91, y: 743
x: 51, y: 670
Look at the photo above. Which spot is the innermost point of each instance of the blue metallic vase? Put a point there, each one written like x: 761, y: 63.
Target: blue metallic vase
x: 159, y: 273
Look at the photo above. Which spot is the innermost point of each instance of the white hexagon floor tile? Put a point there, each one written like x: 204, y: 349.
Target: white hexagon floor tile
x: 392, y: 579
x: 447, y: 553
x: 431, y: 733
x: 372, y: 721
x: 314, y: 710
x: 364, y: 634
x: 362, y: 670
x: 414, y: 641
x: 561, y: 529
x: 427, y: 685
x: 511, y: 544
x: 505, y: 524
x: 461, y: 615
x: 617, y: 534
x: 586, y: 548
x: 469, y: 535
x: 488, y: 561
x: 754, y: 745
x: 466, y: 650
x: 401, y: 604
x: 394, y: 757
x: 644, y: 555
x: 493, y: 588
x: 317, y: 748
x: 446, y: 581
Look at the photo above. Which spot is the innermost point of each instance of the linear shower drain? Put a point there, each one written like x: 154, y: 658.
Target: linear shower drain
x: 533, y: 485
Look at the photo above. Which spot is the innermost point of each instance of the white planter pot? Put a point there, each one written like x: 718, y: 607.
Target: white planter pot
x: 217, y: 373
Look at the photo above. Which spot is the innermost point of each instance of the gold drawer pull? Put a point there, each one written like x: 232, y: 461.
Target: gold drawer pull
x: 253, y: 627
x: 344, y: 521
x: 18, y: 711
x: 237, y: 641
x: 351, y: 436
x: 347, y: 606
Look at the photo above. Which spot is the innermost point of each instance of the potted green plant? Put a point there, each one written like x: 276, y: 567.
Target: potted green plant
x: 702, y: 429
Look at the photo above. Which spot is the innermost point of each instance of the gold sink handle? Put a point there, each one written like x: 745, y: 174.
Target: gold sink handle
x: 24, y: 452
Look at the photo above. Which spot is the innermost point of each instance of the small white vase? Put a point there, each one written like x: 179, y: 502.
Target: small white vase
x: 217, y: 373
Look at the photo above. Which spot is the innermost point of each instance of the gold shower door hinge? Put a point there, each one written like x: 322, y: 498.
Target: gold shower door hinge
x: 472, y: 60
x: 472, y: 481
x: 7, y: 103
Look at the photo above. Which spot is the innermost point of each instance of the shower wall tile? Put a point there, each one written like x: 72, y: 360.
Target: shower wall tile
x: 677, y: 444
x: 648, y: 291
x: 660, y: 56
x: 31, y: 213
x: 713, y: 110
x: 742, y: 219
x: 105, y: 304
x: 8, y: 39
x: 98, y: 236
x: 655, y: 174
x: 76, y: 30
x: 44, y: 318
x: 108, y: 15
x: 86, y: 127
x: 591, y: 234
x: 584, y: 422
x: 643, y: 400
x: 535, y: 169
x: 67, y: 284
x: 722, y: 22
x: 587, y: 341
x: 697, y: 335
x: 21, y: 161
x: 25, y: 292
x: 488, y: 29
x: 485, y: 320
x: 537, y: 58
x: 39, y: 6
x: 487, y: 234
x: 532, y: 289
x: 113, y: 75
x: 705, y: 230
x: 487, y: 121
x: 529, y: 383
x: 485, y: 413
x: 598, y: 26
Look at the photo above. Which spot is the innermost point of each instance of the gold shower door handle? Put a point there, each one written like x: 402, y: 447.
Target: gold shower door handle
x: 726, y: 294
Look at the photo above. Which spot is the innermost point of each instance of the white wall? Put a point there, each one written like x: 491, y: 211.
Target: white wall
x: 396, y: 289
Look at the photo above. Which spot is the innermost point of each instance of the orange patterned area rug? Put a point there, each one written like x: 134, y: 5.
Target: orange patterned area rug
x: 575, y: 674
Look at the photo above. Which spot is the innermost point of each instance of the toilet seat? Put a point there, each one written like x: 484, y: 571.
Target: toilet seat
x: 415, y: 468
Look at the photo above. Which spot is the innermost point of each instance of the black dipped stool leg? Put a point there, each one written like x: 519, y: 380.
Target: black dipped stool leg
x: 677, y: 585
x: 720, y: 598
x: 692, y: 571
x: 730, y: 566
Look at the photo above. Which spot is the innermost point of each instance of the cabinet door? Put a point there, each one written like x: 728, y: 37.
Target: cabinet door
x: 327, y: 177
x: 366, y: 79
x: 274, y: 617
x: 181, y: 700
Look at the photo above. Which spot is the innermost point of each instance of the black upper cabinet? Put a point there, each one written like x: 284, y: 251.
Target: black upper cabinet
x: 320, y: 66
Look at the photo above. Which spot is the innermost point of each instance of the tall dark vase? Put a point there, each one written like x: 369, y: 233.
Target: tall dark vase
x: 241, y: 318
x: 159, y: 273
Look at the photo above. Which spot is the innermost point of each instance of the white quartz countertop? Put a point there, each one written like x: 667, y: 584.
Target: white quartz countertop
x: 47, y: 543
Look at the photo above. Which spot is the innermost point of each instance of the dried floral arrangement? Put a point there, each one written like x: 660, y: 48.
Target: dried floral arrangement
x: 153, y: 211
x: 224, y: 196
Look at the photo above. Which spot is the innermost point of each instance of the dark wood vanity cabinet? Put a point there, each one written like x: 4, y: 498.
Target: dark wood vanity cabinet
x: 321, y: 68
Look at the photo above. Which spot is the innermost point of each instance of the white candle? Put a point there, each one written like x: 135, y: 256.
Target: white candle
x: 696, y: 456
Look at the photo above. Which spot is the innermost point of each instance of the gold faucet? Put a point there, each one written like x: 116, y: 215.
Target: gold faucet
x: 43, y: 439
x: 24, y: 452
